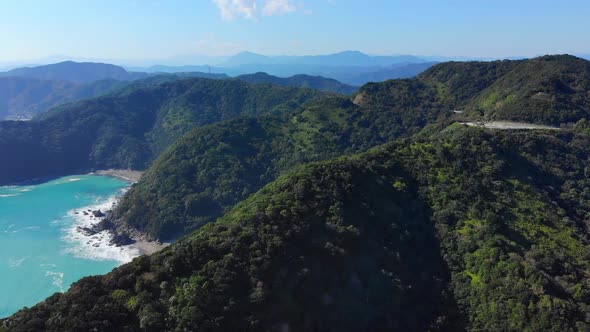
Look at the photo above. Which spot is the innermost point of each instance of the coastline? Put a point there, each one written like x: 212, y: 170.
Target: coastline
x: 96, y: 235
x: 122, y: 174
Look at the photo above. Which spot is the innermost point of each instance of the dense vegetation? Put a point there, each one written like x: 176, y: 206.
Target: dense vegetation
x: 209, y: 170
x: 447, y: 228
x: 460, y: 229
x: 549, y: 89
x: 129, y: 128
x: 302, y: 81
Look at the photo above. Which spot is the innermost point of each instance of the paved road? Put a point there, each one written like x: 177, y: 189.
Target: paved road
x: 507, y: 125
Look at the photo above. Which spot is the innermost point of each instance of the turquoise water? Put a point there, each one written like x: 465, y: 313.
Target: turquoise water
x: 40, y: 250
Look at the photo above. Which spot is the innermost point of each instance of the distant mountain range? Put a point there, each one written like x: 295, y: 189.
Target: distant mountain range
x: 342, y: 59
x: 26, y: 92
x: 22, y: 98
x: 350, y: 67
x: 75, y: 72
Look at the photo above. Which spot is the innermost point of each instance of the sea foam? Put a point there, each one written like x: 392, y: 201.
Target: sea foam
x: 97, y: 246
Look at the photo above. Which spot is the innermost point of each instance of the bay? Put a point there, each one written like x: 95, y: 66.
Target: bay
x: 41, y: 251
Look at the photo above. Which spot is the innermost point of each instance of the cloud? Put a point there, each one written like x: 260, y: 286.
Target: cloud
x: 253, y: 9
x: 229, y: 9
x: 278, y: 7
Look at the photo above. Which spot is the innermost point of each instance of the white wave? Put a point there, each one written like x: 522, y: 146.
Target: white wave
x: 97, y: 246
x: 58, y: 279
x: 16, y: 262
x: 14, y: 231
x: 63, y: 181
x: 9, y: 195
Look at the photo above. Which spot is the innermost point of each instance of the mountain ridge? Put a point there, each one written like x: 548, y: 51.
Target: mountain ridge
x: 77, y: 72
x: 23, y: 98
x: 132, y: 126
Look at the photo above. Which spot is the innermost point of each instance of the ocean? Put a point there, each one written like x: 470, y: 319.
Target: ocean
x: 41, y: 251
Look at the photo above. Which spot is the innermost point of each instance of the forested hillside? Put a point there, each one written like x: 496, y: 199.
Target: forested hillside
x: 549, y: 89
x: 460, y: 229
x: 129, y: 128
x: 207, y: 172
x: 211, y: 169
x: 302, y: 81
x: 23, y: 98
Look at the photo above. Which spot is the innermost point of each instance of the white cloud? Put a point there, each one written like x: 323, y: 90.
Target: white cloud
x: 277, y: 7
x: 252, y: 9
x: 229, y: 9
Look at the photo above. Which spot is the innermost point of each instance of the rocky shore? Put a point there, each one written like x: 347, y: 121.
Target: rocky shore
x: 107, y: 233
x: 98, y: 227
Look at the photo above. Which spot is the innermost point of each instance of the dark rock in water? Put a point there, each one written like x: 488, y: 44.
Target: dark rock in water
x: 76, y: 212
x: 86, y: 231
x: 104, y: 225
x: 95, y: 229
x: 98, y: 214
x: 85, y: 213
x: 122, y: 240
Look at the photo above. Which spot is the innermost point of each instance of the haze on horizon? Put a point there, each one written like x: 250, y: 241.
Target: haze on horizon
x: 139, y: 32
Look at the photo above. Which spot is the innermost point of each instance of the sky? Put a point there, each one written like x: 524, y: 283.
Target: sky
x: 160, y: 29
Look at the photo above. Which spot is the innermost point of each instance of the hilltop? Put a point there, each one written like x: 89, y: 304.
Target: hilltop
x: 23, y: 98
x: 77, y: 72
x: 302, y: 81
x: 207, y: 172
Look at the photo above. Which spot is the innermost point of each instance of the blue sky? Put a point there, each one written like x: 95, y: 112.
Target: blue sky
x: 157, y: 29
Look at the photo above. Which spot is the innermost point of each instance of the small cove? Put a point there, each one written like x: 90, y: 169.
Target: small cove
x: 40, y: 250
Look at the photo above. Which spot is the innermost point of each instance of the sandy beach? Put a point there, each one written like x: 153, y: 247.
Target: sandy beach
x: 123, y: 174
